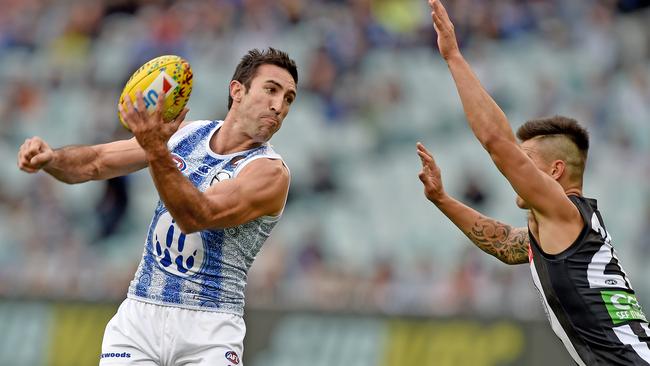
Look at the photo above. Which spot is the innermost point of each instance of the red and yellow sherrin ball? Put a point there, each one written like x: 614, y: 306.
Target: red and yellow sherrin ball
x: 170, y: 75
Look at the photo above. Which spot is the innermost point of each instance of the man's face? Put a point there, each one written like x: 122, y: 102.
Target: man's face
x: 532, y: 148
x: 266, y: 103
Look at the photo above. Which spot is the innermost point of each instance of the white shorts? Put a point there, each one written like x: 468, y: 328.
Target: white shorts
x: 148, y: 334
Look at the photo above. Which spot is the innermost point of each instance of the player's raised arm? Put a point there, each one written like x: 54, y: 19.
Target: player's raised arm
x: 506, y: 243
x: 260, y: 188
x: 490, y: 125
x: 77, y: 164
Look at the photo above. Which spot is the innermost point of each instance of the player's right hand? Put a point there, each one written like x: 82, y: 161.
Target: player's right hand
x: 447, y: 43
x: 430, y: 175
x: 34, y: 154
x: 149, y: 129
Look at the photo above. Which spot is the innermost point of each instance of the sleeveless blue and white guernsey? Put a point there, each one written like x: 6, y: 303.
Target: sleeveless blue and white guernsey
x: 206, y: 270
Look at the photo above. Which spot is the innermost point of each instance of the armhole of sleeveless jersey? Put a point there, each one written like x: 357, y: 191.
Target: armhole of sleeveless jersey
x: 576, y: 243
x: 274, y: 156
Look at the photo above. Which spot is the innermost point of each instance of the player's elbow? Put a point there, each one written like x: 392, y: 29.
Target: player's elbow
x: 494, y: 143
x: 500, y: 149
x: 188, y: 227
x: 191, y: 221
x: 202, y: 219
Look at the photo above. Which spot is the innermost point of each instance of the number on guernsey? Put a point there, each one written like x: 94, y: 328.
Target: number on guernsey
x: 605, y: 257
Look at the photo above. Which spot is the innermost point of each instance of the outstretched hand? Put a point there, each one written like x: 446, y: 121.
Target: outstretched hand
x: 447, y: 43
x: 151, y: 131
x: 34, y: 154
x: 430, y: 175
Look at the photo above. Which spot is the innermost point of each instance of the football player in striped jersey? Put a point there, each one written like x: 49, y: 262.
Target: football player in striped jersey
x: 586, y: 294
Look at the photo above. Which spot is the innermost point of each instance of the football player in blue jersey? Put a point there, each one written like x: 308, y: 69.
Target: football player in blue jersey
x: 222, y: 189
x: 586, y: 293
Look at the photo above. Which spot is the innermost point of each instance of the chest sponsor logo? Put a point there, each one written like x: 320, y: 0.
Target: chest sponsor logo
x: 177, y: 253
x: 622, y: 306
x: 220, y: 177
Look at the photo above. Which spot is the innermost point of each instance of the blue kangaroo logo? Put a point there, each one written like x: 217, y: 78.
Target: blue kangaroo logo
x: 182, y: 264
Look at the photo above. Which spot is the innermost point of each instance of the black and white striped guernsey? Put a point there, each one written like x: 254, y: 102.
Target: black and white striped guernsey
x: 588, y: 297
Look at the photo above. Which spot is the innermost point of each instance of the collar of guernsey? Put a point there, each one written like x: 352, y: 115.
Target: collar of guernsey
x: 205, y: 270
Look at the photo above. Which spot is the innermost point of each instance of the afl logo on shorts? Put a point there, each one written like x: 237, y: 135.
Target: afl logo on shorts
x: 220, y: 177
x: 232, y: 357
x: 180, y: 163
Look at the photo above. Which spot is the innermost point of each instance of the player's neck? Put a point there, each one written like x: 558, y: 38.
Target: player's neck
x: 228, y: 139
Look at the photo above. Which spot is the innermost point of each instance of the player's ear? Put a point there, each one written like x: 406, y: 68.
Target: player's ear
x: 558, y: 167
x: 236, y: 90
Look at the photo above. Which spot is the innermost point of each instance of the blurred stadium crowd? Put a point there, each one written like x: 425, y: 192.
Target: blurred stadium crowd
x: 357, y: 233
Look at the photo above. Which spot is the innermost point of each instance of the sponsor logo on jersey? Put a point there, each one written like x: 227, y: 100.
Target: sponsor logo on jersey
x: 622, y: 306
x: 162, y: 84
x: 232, y: 357
x: 220, y: 177
x: 180, y: 163
x: 203, y: 170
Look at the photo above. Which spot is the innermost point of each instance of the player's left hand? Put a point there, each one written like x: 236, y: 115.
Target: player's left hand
x: 447, y: 43
x: 430, y: 175
x: 149, y: 129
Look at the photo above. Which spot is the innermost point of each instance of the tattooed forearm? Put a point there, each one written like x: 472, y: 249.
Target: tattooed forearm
x: 508, y: 244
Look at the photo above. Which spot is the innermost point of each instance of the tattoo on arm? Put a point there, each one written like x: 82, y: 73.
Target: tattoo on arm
x: 508, y: 244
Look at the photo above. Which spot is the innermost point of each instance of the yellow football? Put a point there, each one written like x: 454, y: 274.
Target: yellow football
x: 170, y: 75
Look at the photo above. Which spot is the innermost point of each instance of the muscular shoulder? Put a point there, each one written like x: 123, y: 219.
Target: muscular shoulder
x: 272, y: 169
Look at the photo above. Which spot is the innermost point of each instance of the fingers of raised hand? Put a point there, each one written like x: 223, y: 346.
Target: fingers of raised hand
x: 132, y: 114
x: 126, y: 115
x: 172, y: 126
x: 440, y: 27
x: 422, y: 148
x: 440, y: 17
x: 425, y: 155
x: 141, y: 107
x: 438, y: 9
x: 182, y: 115
x: 127, y: 110
x: 158, y: 112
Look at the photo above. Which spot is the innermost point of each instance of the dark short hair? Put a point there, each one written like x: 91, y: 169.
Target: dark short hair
x: 556, y: 125
x: 247, y: 67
